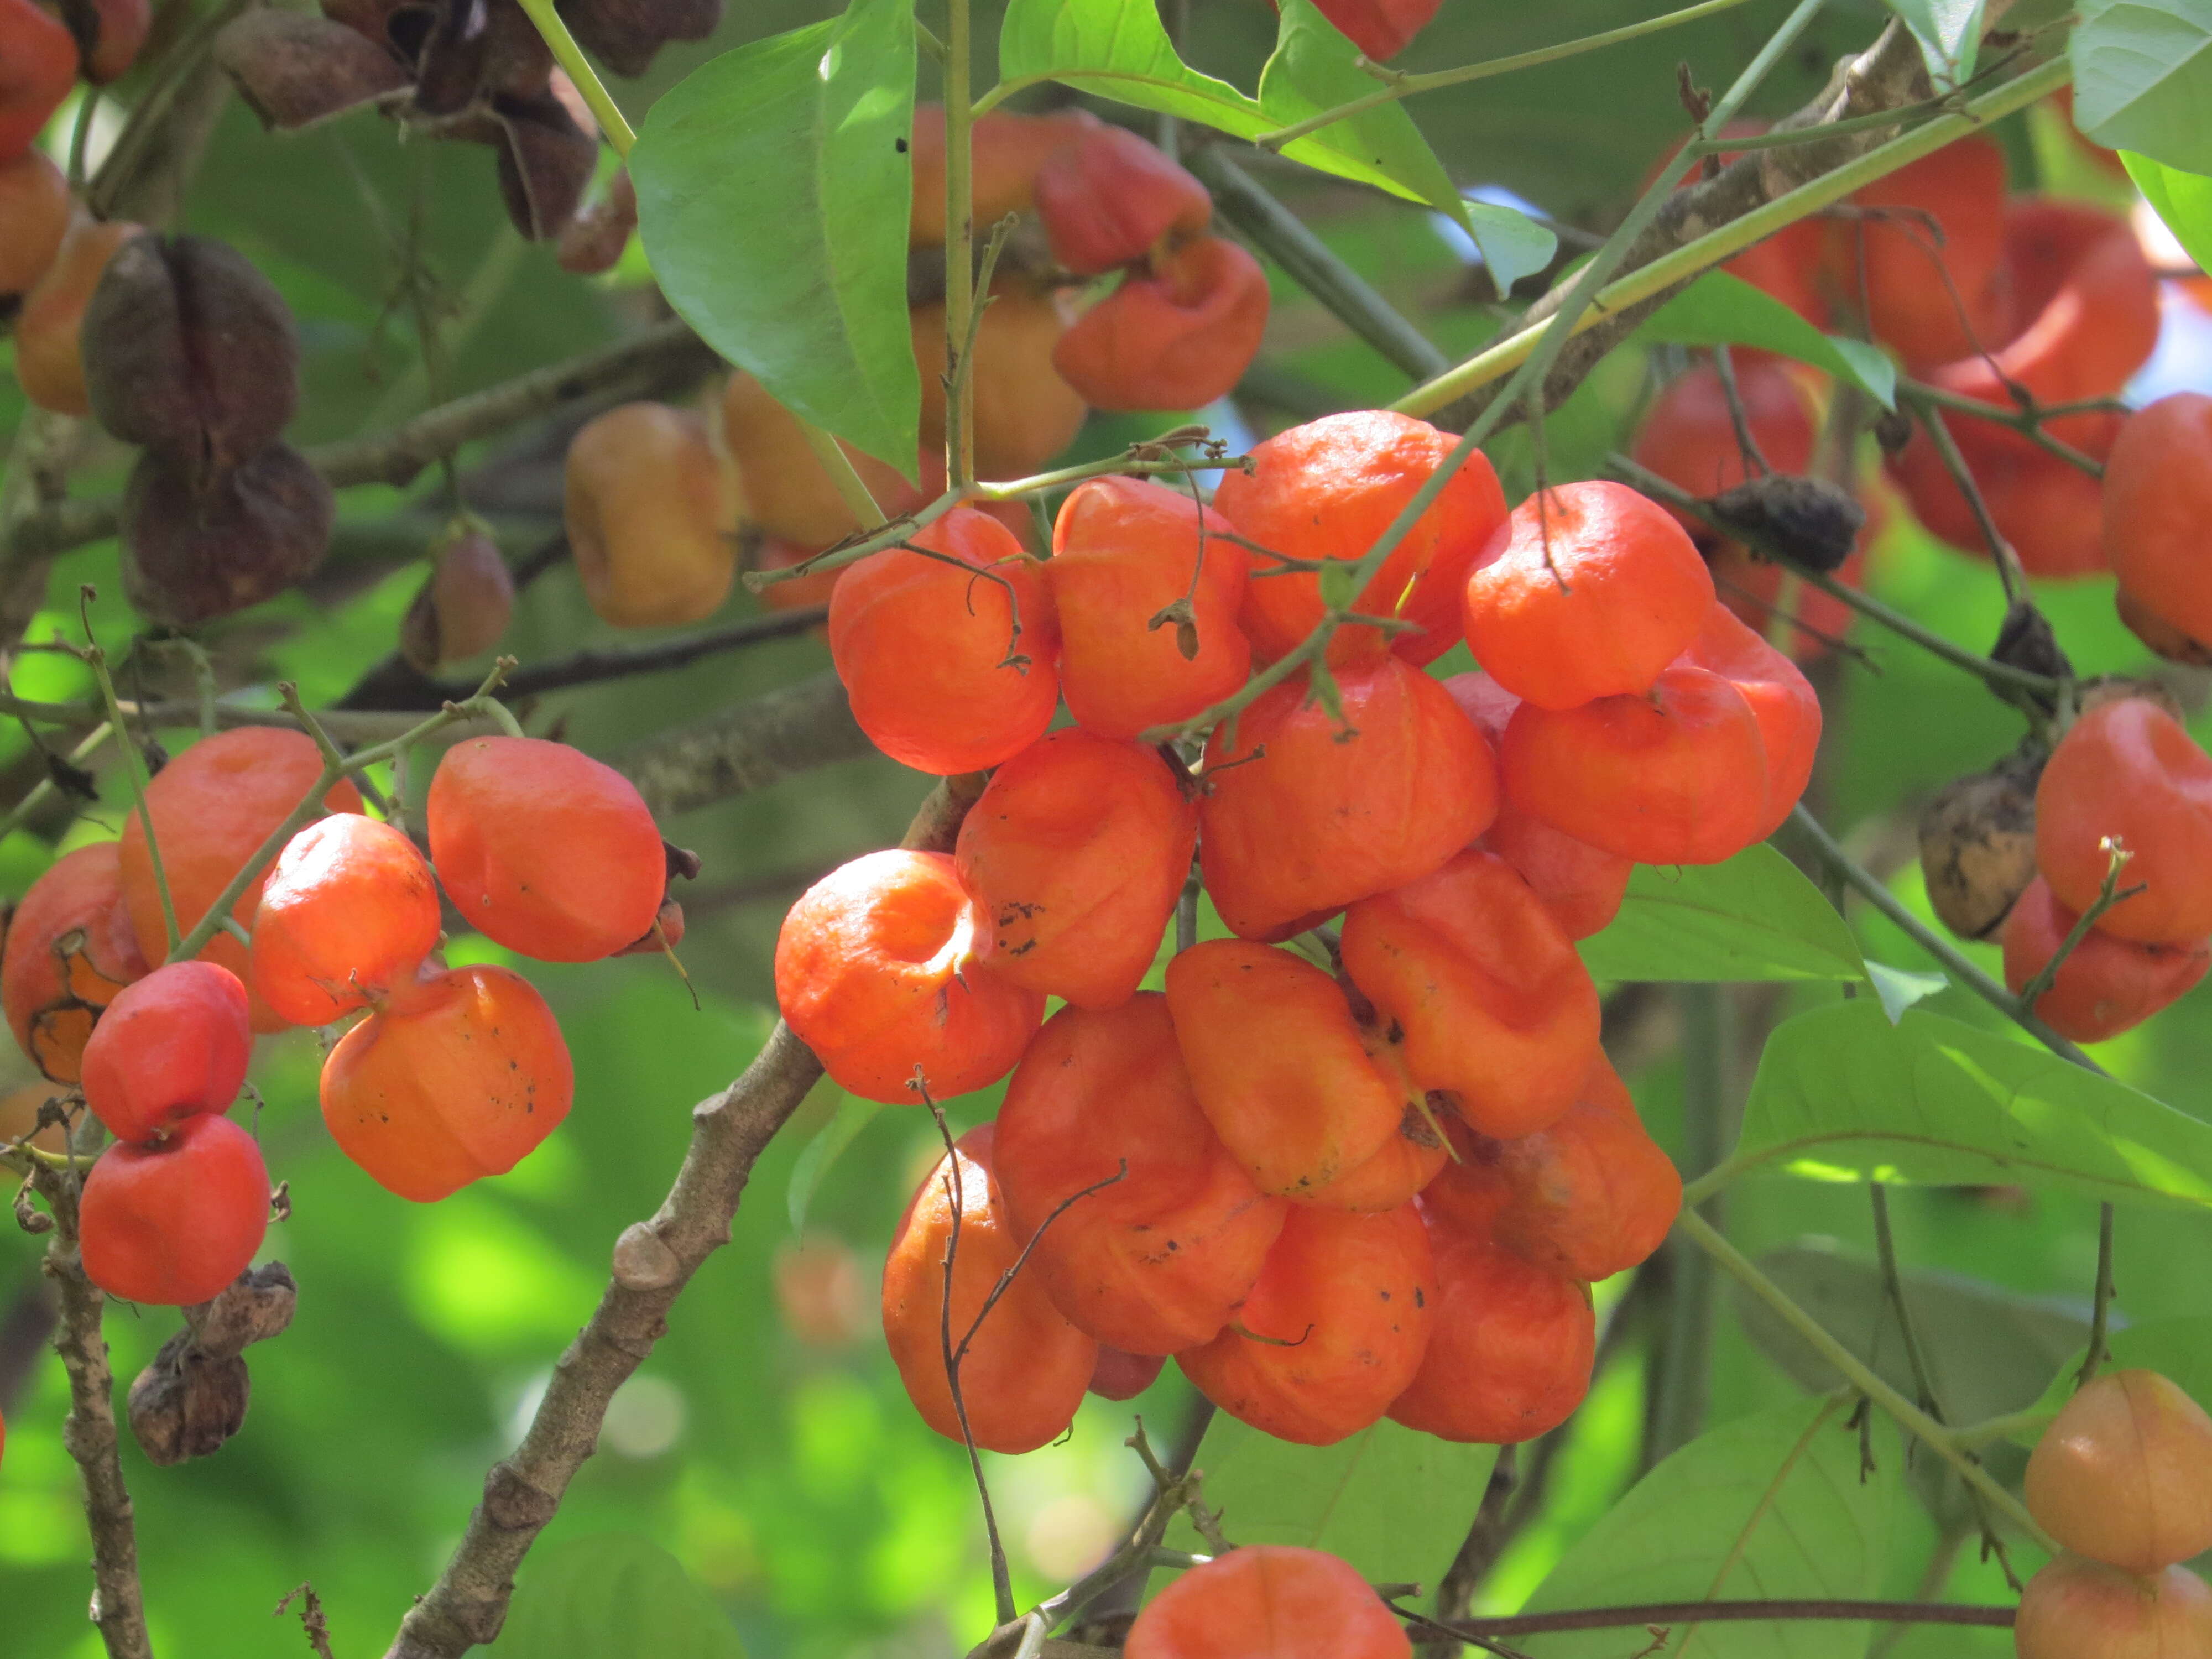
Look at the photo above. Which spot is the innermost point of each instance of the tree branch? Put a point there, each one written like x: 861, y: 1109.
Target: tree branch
x: 653, y: 1261
x: 749, y: 746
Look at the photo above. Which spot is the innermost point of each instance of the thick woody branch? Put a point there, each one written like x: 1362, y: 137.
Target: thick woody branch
x: 653, y: 1261
x: 747, y: 746
x: 1887, y: 76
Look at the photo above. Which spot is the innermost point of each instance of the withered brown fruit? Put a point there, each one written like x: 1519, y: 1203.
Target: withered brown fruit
x: 190, y: 350
x: 545, y: 163
x: 625, y: 34
x: 1977, y: 845
x: 197, y: 545
x: 293, y: 69
x: 1811, y: 521
x: 593, y: 241
x: 194, y: 1396
x: 463, y: 608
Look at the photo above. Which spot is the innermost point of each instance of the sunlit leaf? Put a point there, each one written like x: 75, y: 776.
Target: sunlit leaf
x: 1771, y: 1506
x: 2183, y: 200
x: 1950, y: 32
x: 1755, y: 917
x: 1721, y: 309
x: 773, y: 186
x: 612, y: 1597
x: 1899, y: 989
x: 2143, y: 78
x: 1842, y: 1095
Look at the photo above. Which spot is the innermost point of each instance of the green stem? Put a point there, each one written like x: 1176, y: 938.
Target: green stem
x: 1682, y: 1388
x: 2028, y: 423
x: 1861, y: 1377
x: 1972, y: 1437
x: 134, y: 770
x: 1645, y: 282
x: 843, y: 475
x: 959, y: 246
x: 2101, y: 1309
x: 1407, y: 85
x: 2010, y: 575
x: 570, y: 56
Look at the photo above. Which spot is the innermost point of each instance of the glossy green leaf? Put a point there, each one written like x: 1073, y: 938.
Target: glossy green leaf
x: 613, y: 1597
x: 1720, y: 309
x: 1393, y: 1502
x: 1771, y: 1506
x: 1950, y: 32
x: 1842, y: 1095
x: 1755, y: 917
x: 1986, y: 1347
x: 2143, y: 78
x: 828, y: 1144
x: 2178, y: 1349
x: 2183, y: 200
x: 773, y: 187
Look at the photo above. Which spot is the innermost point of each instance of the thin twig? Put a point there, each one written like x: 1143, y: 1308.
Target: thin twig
x: 2009, y: 574
x: 2101, y: 1307
x: 1718, y: 1613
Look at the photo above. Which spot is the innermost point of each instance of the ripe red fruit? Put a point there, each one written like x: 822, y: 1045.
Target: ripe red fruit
x: 1304, y: 1097
x: 1781, y: 700
x: 1309, y: 811
x: 2123, y: 1474
x: 1124, y: 550
x: 1689, y: 435
x: 879, y: 969
x: 2049, y: 510
x: 1925, y: 262
x: 1327, y: 490
x: 1677, y: 775
x: 1332, y: 1331
x: 70, y: 949
x: 1178, y: 339
x: 544, y: 849
x: 1495, y: 1007
x: 2128, y: 772
x: 1510, y: 1354
x: 1107, y: 197
x: 37, y: 62
x: 213, y: 806
x: 1077, y: 851
x: 2105, y: 986
x: 1588, y: 591
x: 2158, y: 498
x: 35, y: 209
x: 2078, y: 1609
x: 459, y: 1076
x: 1119, y: 1376
x: 1275, y: 1600
x: 349, y: 909
x: 172, y: 1046
x: 1161, y: 1259
x: 1026, y: 1368
x: 940, y: 678
x: 172, y: 1224
x: 1380, y: 28
x: 1589, y: 1197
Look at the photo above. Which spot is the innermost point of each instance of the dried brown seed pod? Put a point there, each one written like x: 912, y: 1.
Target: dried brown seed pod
x: 1816, y: 523
x: 463, y: 608
x: 1977, y: 845
x: 190, y: 350
x: 293, y: 69
x: 593, y: 241
x: 200, y: 545
x: 545, y: 163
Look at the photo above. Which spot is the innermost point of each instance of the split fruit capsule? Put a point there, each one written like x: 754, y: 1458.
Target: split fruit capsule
x: 69, y: 950
x: 2128, y: 776
x: 2104, y: 986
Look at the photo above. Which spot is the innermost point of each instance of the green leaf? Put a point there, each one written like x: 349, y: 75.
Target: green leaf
x: 1899, y: 989
x: 1755, y: 917
x: 2143, y: 78
x: 1512, y: 245
x: 1719, y: 309
x: 1950, y: 32
x: 1984, y: 1345
x: 2179, y: 1349
x: 1842, y: 1095
x: 1393, y: 1502
x: 2183, y: 200
x: 613, y: 1597
x: 1117, y: 49
x: 773, y: 189
x: 1768, y: 1506
x: 828, y: 1144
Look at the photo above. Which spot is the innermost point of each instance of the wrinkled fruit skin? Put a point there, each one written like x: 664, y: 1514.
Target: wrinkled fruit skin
x: 878, y: 971
x: 1077, y: 851
x: 929, y: 652
x: 349, y: 909
x: 1978, y: 849
x: 2123, y: 1474
x: 213, y: 806
x: 1334, y: 1330
x: 1301, y: 820
x: 2078, y: 1609
x: 1328, y: 489
x: 2105, y: 986
x: 642, y: 501
x: 51, y: 1007
x: 169, y: 1047
x: 1024, y: 412
x: 170, y: 1225
x: 1025, y: 1371
x: 1275, y: 1600
x: 459, y: 1079
x: 1177, y: 339
x: 544, y: 849
x: 2129, y: 771
x: 1109, y: 197
x: 1162, y: 1259
x: 199, y: 546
